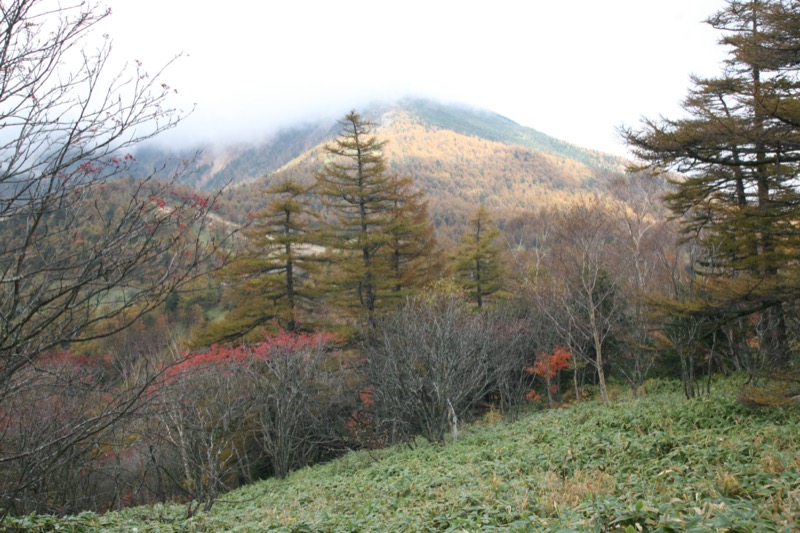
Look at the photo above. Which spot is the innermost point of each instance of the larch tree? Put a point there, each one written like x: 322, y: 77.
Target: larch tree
x: 739, y: 154
x: 478, y: 258
x: 273, y: 280
x: 377, y: 227
x: 413, y: 251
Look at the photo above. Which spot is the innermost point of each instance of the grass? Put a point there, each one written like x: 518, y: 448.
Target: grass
x: 661, y: 463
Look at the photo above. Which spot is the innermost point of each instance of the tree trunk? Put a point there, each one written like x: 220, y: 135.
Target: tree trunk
x: 598, y: 351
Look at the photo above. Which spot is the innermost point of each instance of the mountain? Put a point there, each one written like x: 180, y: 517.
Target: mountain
x: 491, y: 126
x: 460, y: 156
x: 214, y: 167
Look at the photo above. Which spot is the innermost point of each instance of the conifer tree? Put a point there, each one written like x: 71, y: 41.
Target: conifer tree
x: 273, y: 279
x: 413, y: 251
x: 378, y: 232
x: 478, y: 258
x: 739, y: 151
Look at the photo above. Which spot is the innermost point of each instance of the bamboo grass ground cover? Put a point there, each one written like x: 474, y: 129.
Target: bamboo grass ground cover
x: 661, y: 463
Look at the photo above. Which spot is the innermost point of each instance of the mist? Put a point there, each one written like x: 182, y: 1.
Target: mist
x: 575, y: 71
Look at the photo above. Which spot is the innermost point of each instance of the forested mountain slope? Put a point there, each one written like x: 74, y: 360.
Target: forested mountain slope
x: 461, y: 157
x: 494, y: 127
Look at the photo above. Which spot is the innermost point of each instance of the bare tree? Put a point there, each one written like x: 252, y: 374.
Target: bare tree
x: 429, y: 363
x: 526, y: 237
x: 643, y: 238
x: 297, y: 408
x: 82, y: 254
x: 233, y: 412
x: 521, y: 331
x: 581, y: 295
x: 205, y: 418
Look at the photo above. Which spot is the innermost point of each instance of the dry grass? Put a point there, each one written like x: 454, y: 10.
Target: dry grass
x: 565, y: 492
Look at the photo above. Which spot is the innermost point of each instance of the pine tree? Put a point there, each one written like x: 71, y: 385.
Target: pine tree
x: 378, y: 231
x: 478, y: 258
x: 739, y: 150
x: 273, y: 279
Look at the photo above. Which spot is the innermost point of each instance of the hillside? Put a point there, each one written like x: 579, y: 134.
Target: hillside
x: 459, y: 156
x: 213, y: 167
x: 661, y: 463
x: 491, y: 126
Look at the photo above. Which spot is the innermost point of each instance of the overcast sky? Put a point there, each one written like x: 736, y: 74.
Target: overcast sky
x: 572, y: 69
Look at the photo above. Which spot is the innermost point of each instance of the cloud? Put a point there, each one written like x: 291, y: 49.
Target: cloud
x: 574, y: 70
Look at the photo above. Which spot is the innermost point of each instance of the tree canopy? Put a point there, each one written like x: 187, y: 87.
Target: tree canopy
x: 739, y: 154
x: 478, y: 258
x: 379, y: 234
x: 271, y: 280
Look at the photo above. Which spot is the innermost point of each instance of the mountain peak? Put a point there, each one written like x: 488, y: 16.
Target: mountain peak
x: 459, y: 155
x: 244, y: 163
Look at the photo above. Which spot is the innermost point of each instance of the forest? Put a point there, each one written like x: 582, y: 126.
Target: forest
x: 154, y: 349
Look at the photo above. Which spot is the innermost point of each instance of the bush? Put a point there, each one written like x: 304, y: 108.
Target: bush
x: 233, y: 413
x: 429, y: 364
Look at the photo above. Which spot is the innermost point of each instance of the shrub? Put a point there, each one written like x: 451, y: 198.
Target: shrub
x: 429, y: 364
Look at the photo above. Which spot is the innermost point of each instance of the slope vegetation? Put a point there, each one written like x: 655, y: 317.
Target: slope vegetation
x: 494, y: 127
x: 213, y: 167
x: 461, y: 158
x: 662, y: 463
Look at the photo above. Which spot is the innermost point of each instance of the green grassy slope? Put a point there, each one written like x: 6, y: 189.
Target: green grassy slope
x: 660, y: 464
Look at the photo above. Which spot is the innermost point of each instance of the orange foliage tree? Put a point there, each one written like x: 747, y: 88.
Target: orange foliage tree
x: 547, y: 366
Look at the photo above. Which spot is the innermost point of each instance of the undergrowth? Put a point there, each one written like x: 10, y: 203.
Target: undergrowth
x: 661, y: 463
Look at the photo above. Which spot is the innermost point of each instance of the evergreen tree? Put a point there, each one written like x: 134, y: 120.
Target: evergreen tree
x: 739, y: 151
x: 478, y: 258
x: 378, y: 233
x: 272, y: 280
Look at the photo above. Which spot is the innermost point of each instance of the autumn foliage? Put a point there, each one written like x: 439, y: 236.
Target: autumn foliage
x: 547, y: 366
x: 257, y: 351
